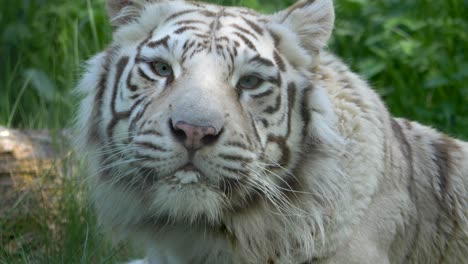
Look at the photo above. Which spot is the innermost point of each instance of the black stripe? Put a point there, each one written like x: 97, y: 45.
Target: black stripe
x: 312, y: 261
x: 443, y: 148
x: 235, y: 158
x: 266, y: 93
x: 162, y: 41
x: 226, y: 14
x: 200, y: 48
x: 254, y: 26
x: 146, y: 157
x: 233, y: 60
x: 273, y: 109
x: 132, y: 126
x: 260, y: 60
x: 285, y: 151
x: 297, y: 6
x: 276, y: 38
x: 190, y: 21
x: 144, y: 75
x: 224, y: 38
x: 443, y: 161
x: 243, y: 30
x: 186, y: 49
x: 208, y: 13
x: 178, y: 14
x: 235, y: 51
x: 407, y: 153
x: 131, y: 86
x: 150, y: 145
x: 305, y: 112
x: 186, y: 43
x: 140, y: 46
x: 236, y: 144
x: 135, y: 96
x: 254, y: 127
x: 246, y: 41
x: 291, y: 104
x: 120, y: 67
x: 150, y: 132
x: 186, y: 28
x: 248, y: 12
x: 276, y: 81
x: 279, y: 61
x: 94, y: 134
x: 196, y: 4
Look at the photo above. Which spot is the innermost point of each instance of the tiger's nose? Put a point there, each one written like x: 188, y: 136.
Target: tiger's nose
x: 194, y: 137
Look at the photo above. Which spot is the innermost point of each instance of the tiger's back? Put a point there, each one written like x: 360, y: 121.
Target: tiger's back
x: 422, y: 190
x: 219, y: 135
x: 437, y: 174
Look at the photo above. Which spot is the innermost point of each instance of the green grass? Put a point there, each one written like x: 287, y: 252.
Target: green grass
x: 43, y: 45
x: 52, y: 222
x: 415, y: 53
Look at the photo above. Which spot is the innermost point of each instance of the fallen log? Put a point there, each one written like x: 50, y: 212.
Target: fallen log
x: 26, y: 156
x: 30, y: 151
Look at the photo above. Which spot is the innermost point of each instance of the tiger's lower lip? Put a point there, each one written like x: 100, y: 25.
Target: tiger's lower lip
x: 189, y: 167
x: 188, y: 174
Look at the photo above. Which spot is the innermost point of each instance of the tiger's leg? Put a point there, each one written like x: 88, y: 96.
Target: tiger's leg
x: 363, y: 259
x: 373, y: 235
x: 361, y: 249
x: 358, y: 251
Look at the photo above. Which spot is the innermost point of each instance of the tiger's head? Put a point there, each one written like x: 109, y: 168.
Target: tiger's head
x: 198, y: 111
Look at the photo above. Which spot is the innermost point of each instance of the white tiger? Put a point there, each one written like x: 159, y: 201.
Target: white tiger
x: 219, y: 135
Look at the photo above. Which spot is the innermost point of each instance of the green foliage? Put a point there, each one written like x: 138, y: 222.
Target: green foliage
x: 414, y: 53
x: 42, y: 46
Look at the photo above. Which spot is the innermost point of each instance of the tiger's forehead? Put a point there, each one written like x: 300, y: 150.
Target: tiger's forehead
x: 175, y: 10
x: 207, y: 27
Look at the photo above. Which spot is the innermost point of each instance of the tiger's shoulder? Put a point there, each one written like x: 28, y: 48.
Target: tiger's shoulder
x: 419, y: 175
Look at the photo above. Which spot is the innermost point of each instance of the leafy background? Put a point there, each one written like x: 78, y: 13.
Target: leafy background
x: 414, y: 53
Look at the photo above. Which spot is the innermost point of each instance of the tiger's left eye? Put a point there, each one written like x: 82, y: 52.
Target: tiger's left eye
x: 249, y: 82
x: 162, y: 69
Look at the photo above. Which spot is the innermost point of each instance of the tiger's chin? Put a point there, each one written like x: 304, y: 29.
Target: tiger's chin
x: 188, y: 196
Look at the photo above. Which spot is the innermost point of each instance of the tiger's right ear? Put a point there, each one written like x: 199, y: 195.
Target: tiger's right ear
x: 308, y: 23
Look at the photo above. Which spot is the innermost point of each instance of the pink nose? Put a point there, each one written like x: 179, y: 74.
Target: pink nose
x: 194, y: 137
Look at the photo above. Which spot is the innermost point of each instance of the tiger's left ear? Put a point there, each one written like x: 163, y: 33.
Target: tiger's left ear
x: 121, y: 12
x: 308, y: 22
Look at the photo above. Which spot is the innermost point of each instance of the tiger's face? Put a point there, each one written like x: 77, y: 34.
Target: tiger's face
x: 202, y: 110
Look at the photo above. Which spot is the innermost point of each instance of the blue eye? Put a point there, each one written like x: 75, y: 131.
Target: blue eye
x: 162, y: 69
x: 249, y: 82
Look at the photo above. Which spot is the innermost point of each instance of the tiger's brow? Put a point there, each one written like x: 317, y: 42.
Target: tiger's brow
x: 262, y: 61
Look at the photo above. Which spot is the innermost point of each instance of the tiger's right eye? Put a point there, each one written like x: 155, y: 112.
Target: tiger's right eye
x: 162, y: 69
x: 249, y: 82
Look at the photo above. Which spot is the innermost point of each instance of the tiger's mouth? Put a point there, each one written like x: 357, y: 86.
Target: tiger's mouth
x: 189, y: 174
